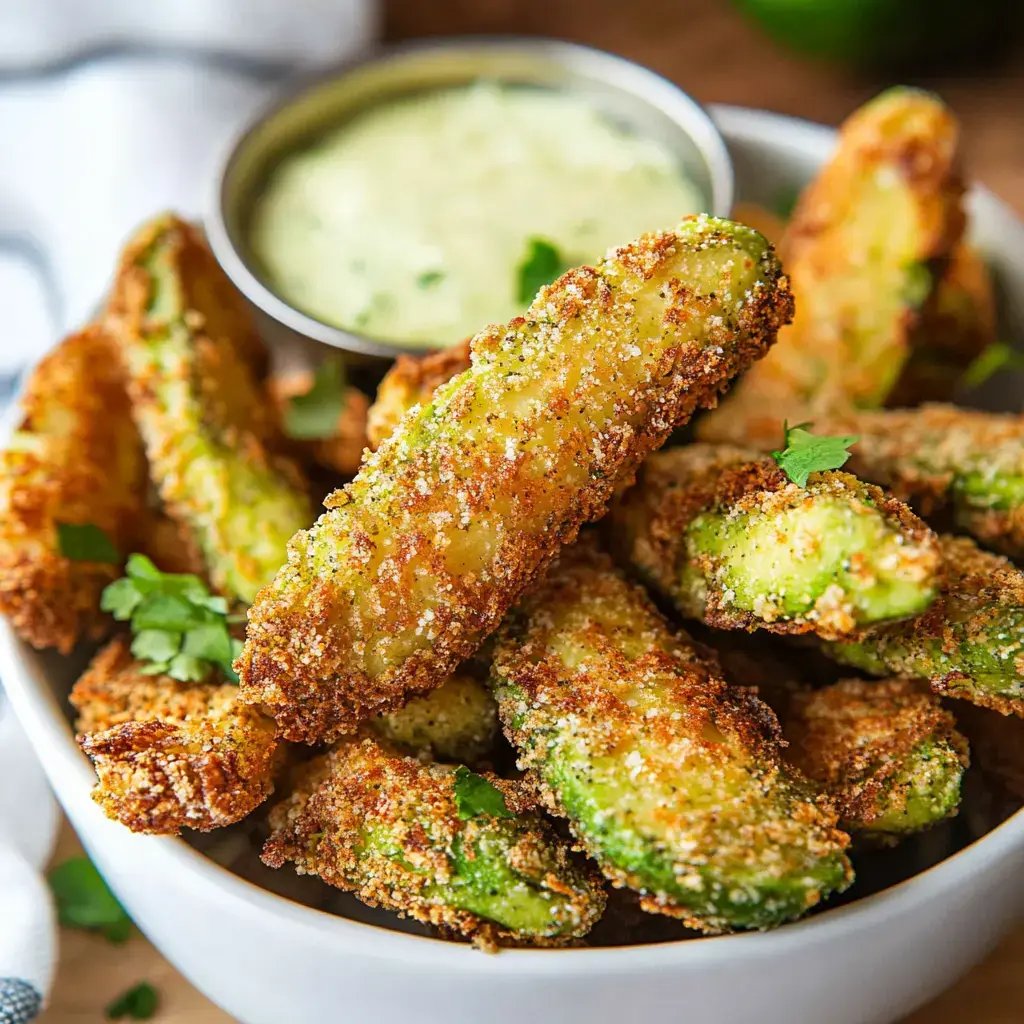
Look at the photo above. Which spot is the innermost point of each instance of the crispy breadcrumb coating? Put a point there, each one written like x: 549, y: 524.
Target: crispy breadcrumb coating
x: 670, y: 778
x: 388, y: 829
x: 75, y: 457
x: 866, y: 243
x: 412, y: 381
x: 969, y: 644
x: 208, y: 431
x: 171, y: 755
x: 733, y: 541
x: 886, y: 751
x: 463, y: 507
x: 939, y: 455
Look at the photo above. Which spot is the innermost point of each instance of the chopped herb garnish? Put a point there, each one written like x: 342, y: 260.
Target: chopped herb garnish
x: 138, y: 1003
x: 85, y: 542
x: 542, y: 264
x: 918, y: 285
x: 475, y: 796
x: 84, y: 901
x: 315, y: 415
x: 429, y: 278
x: 993, y: 358
x: 806, y: 453
x: 180, y: 627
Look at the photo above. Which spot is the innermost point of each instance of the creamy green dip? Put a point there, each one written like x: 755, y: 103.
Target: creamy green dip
x: 412, y: 222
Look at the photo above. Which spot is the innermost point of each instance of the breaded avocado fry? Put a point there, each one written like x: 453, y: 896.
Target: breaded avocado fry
x: 940, y: 455
x: 732, y: 541
x: 862, y: 252
x: 456, y: 722
x: 422, y: 840
x: 463, y: 507
x: 200, y: 410
x: 670, y: 779
x: 171, y: 755
x: 885, y: 751
x: 412, y: 381
x: 969, y: 644
x: 75, y: 458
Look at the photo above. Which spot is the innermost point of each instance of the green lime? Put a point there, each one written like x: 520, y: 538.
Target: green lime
x: 882, y: 32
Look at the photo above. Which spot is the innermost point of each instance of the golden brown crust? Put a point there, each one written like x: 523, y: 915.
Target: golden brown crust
x: 847, y: 252
x: 649, y: 522
x: 342, y: 451
x: 75, y: 458
x: 458, y: 512
x: 171, y: 755
x: 855, y: 738
x: 412, y: 381
x: 359, y: 786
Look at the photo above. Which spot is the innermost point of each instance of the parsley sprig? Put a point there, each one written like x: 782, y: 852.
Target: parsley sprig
x: 84, y: 901
x: 541, y: 265
x: 476, y: 797
x: 314, y: 415
x: 140, y: 1002
x: 180, y: 628
x: 806, y: 453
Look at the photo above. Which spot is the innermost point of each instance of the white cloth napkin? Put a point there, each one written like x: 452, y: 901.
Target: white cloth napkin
x: 112, y: 110
x: 28, y: 825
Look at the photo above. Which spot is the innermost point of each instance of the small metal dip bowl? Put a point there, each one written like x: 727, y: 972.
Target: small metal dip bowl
x: 628, y: 94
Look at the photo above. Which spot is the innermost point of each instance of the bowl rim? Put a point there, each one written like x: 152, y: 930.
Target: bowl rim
x: 43, y: 719
x: 658, y: 92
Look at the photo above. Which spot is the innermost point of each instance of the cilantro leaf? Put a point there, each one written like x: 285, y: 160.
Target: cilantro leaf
x: 155, y: 645
x: 84, y: 901
x: 315, y: 415
x: 475, y: 796
x: 121, y: 598
x: 179, y: 627
x: 995, y: 357
x: 429, y: 278
x: 166, y: 611
x: 187, y: 668
x: 541, y: 265
x: 139, y: 1003
x: 806, y: 453
x: 917, y: 285
x: 86, y: 542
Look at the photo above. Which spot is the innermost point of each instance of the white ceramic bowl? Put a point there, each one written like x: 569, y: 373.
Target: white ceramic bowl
x: 267, y: 960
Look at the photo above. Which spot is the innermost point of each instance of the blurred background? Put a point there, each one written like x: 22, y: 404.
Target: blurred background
x: 113, y: 109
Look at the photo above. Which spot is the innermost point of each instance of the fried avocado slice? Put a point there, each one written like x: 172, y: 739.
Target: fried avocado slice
x: 74, y: 458
x: 671, y: 780
x: 463, y: 507
x: 456, y: 722
x: 863, y: 250
x: 395, y: 832
x: 171, y: 755
x: 201, y: 412
x: 731, y: 540
x: 953, y: 332
x: 412, y: 381
x: 885, y: 751
x: 936, y: 456
x: 969, y: 644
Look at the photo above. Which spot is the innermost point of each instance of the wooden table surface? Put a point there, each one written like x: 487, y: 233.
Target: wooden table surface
x: 716, y: 56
